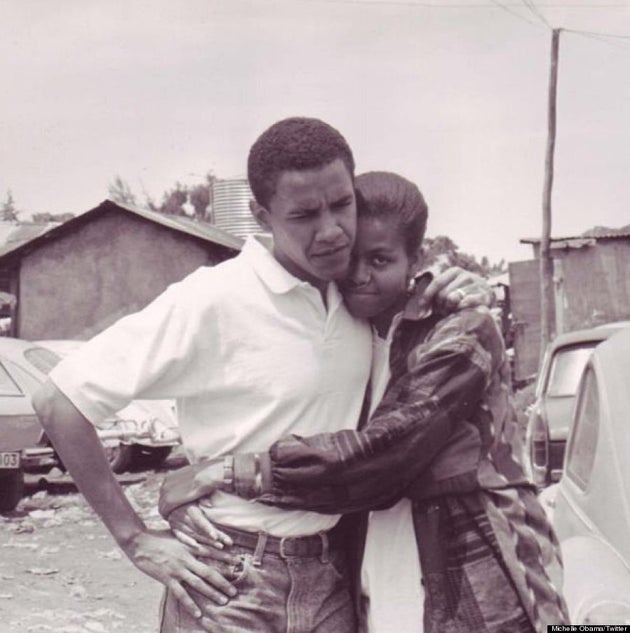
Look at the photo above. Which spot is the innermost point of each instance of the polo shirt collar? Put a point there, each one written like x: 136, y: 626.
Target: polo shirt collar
x: 257, y: 249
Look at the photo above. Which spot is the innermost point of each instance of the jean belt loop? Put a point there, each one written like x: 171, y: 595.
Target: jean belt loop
x: 283, y: 541
x: 260, y: 548
x: 325, y: 558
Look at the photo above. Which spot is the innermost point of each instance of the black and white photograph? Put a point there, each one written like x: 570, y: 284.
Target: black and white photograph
x: 314, y: 316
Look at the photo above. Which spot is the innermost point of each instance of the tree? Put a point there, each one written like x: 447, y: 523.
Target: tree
x: 8, y: 212
x: 52, y: 217
x: 200, y: 197
x: 120, y: 191
x: 443, y: 248
x: 173, y: 201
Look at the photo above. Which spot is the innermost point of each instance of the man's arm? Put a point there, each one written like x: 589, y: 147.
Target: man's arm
x: 157, y: 554
x: 354, y: 470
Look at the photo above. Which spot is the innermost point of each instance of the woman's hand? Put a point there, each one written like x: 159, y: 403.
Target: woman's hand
x: 188, y: 484
x: 456, y: 289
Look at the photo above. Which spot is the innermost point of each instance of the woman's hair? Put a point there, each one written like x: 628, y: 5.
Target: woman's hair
x: 384, y: 195
x: 293, y: 144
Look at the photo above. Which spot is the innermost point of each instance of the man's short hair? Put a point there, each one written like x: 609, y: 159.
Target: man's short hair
x: 293, y: 144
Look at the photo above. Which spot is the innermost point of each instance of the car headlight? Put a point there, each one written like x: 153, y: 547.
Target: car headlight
x: 608, y: 613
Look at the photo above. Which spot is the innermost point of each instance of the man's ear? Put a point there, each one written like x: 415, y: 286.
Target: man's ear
x: 261, y: 214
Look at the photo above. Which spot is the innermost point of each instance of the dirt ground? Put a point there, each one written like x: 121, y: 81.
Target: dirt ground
x: 60, y: 570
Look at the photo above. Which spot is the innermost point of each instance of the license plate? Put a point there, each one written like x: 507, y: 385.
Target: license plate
x: 9, y: 460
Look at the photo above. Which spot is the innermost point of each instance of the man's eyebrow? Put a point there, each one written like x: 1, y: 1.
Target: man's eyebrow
x: 306, y: 208
x: 343, y: 198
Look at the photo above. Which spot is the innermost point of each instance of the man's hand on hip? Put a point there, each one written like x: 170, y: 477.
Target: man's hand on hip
x: 163, y: 557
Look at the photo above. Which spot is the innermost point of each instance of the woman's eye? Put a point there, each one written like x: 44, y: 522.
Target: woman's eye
x: 379, y: 261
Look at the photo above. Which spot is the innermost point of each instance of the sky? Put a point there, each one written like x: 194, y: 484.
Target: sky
x: 451, y: 94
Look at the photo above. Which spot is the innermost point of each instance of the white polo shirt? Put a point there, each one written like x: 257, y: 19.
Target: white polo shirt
x: 250, y: 352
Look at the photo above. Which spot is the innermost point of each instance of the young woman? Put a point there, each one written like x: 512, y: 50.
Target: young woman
x: 465, y: 546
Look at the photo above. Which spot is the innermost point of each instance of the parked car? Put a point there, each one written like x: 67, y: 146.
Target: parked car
x: 592, y: 500
x: 23, y: 445
x: 550, y: 415
x: 141, y: 435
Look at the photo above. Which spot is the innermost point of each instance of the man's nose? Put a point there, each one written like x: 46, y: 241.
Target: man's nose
x: 329, y: 228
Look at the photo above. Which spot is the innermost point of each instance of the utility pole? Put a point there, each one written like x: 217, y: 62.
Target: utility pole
x: 547, y: 303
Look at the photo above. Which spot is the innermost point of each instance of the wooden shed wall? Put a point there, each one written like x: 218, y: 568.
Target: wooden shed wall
x: 79, y: 284
x: 593, y: 284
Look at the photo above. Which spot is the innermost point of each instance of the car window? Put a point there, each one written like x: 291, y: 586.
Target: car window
x: 24, y: 378
x: 566, y: 369
x: 581, y: 454
x: 8, y: 386
x: 42, y: 359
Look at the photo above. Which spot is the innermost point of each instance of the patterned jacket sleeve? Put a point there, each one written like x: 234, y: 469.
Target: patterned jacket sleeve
x: 445, y: 377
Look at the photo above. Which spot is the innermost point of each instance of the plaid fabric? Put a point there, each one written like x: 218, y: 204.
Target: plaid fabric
x: 445, y: 435
x: 486, y: 562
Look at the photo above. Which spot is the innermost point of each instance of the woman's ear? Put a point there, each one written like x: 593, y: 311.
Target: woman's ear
x: 261, y: 214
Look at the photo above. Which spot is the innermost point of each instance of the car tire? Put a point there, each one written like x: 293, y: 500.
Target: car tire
x: 11, y: 489
x: 120, y: 457
x: 149, y: 457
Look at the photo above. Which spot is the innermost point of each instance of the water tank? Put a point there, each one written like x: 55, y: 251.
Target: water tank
x: 231, y: 207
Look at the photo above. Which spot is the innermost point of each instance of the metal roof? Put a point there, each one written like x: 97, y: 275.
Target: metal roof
x: 20, y: 233
x: 586, y: 237
x: 199, y: 230
x: 586, y: 335
x: 203, y: 230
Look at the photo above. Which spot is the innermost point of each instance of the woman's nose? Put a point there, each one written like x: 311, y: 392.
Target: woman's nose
x: 359, y: 273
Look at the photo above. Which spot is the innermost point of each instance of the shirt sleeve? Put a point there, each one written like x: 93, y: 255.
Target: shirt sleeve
x: 152, y: 354
x: 353, y: 470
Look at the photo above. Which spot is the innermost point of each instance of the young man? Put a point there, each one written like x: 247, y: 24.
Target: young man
x: 252, y: 349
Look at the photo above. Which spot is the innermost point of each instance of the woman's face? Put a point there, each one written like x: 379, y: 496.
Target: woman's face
x: 379, y: 272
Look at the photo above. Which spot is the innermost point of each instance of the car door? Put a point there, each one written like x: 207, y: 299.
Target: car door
x: 19, y: 426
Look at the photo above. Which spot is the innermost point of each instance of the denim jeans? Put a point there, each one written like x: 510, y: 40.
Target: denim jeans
x: 276, y: 594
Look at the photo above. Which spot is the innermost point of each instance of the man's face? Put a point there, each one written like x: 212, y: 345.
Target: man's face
x: 312, y: 217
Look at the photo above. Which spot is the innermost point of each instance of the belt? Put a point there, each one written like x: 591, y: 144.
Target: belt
x: 316, y: 545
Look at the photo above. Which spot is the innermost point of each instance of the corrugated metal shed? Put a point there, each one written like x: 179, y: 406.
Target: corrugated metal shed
x: 231, y: 207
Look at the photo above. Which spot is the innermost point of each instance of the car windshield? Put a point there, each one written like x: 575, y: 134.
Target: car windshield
x: 42, y: 359
x: 566, y: 370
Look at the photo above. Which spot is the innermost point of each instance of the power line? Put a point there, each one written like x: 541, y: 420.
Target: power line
x: 604, y: 38
x: 532, y: 7
x: 480, y: 5
x: 485, y: 5
x: 508, y: 10
x: 613, y: 35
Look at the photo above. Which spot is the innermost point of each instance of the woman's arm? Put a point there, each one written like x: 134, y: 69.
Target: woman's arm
x: 353, y: 470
